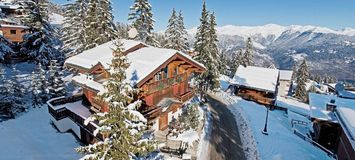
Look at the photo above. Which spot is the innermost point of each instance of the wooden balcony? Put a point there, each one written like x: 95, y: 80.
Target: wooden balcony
x: 165, y: 83
x: 186, y: 96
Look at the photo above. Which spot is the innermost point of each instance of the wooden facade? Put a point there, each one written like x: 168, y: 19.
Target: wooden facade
x: 261, y: 97
x: 12, y: 33
x: 345, y: 150
x: 169, y: 80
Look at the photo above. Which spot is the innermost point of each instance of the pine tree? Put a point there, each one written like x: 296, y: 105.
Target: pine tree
x: 16, y: 94
x: 106, y: 26
x: 35, y: 90
x: 41, y: 42
x: 56, y: 82
x: 190, y: 117
x: 74, y: 27
x: 248, y: 55
x: 206, y: 54
x: 5, y: 48
x: 302, y: 76
x: 142, y: 19
x: 176, y: 34
x: 123, y: 124
x: 294, y: 72
x: 92, y: 34
x: 236, y: 61
x: 183, y: 31
x: 43, y: 83
x: 213, y: 41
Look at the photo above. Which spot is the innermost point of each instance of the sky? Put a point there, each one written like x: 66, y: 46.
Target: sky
x: 334, y: 14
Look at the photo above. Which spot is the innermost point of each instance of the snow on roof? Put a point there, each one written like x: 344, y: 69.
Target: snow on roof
x: 318, y: 103
x: 8, y: 5
x: 286, y: 75
x: 88, y: 81
x: 256, y: 77
x: 13, y: 26
x: 293, y: 105
x: 91, y: 57
x: 142, y: 61
x: 347, y: 120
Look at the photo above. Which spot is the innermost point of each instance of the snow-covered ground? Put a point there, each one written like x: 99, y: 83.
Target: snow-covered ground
x: 203, y: 145
x: 32, y: 137
x: 281, y: 143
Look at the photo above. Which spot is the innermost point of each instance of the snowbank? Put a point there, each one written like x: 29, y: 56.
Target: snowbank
x: 281, y: 143
x: 204, y: 144
x: 31, y: 136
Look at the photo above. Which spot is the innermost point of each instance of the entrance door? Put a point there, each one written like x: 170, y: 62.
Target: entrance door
x: 163, y: 121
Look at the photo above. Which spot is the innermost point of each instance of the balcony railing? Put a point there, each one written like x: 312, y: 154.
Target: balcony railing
x: 165, y: 83
x: 63, y: 112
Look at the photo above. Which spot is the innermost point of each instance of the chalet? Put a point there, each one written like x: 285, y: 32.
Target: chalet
x: 10, y: 9
x: 285, y: 82
x: 162, y: 75
x: 256, y: 83
x: 334, y: 124
x: 12, y: 32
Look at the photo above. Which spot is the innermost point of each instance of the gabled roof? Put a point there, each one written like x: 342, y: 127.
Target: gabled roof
x: 91, y: 57
x: 258, y: 78
x: 143, y: 61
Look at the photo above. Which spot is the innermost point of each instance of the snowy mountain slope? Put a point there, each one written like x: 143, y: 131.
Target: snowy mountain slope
x: 328, y: 51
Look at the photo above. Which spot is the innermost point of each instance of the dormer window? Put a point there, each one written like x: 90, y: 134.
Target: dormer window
x: 158, y: 77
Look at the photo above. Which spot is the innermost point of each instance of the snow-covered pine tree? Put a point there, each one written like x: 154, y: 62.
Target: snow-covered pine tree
x: 190, y: 117
x: 106, y: 26
x: 43, y: 83
x: 294, y: 73
x: 92, y: 34
x: 35, y: 90
x: 17, y: 93
x: 302, y: 77
x: 56, y: 82
x: 123, y: 124
x: 4, y: 91
x: 248, y: 55
x: 142, y: 19
x: 40, y: 43
x: 122, y: 30
x: 183, y: 31
x: 206, y: 55
x: 176, y: 34
x: 74, y: 27
x: 5, y: 48
x: 213, y: 41
x: 236, y: 61
x: 223, y: 66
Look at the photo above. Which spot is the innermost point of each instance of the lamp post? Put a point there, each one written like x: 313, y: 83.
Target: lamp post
x: 264, y: 131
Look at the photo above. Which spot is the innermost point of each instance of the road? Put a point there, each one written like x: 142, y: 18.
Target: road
x: 225, y: 141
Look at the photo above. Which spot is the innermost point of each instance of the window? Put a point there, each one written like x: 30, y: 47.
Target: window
x: 158, y: 77
x: 12, y: 31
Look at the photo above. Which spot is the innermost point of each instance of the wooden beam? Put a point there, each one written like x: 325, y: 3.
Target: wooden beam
x: 176, y: 63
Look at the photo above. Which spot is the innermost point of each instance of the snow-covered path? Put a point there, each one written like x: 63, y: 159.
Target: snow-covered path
x: 281, y: 143
x: 32, y: 137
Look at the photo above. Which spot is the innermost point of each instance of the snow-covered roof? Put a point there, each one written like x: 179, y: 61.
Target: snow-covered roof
x: 12, y: 26
x: 91, y: 57
x: 293, y: 105
x: 318, y: 104
x: 142, y: 61
x: 286, y: 75
x: 88, y: 81
x: 346, y: 94
x: 256, y: 77
x: 8, y: 5
x: 346, y: 116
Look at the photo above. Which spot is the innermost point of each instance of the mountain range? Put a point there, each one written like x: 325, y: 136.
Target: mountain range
x: 327, y: 51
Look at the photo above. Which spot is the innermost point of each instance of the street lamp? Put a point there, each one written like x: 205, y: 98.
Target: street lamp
x: 264, y: 131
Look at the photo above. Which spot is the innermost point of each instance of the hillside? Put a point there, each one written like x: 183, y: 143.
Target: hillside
x: 328, y: 51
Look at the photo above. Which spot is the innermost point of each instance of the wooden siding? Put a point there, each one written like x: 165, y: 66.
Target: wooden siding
x: 257, y: 96
x: 345, y: 151
x: 16, y: 38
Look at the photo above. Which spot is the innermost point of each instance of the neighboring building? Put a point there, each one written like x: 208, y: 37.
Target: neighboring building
x: 12, y: 32
x: 285, y: 82
x: 9, y: 9
x: 256, y: 83
x: 162, y: 75
x: 333, y: 120
x: 10, y: 28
